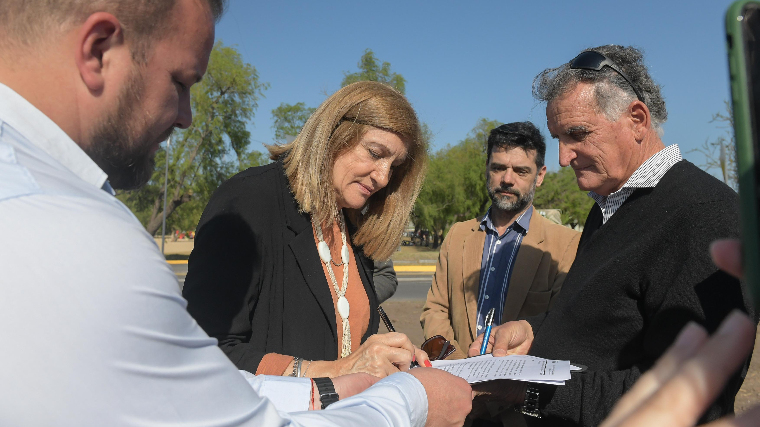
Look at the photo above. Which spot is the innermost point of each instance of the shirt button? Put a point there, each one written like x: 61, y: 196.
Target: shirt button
x: 486, y: 296
x: 493, y: 268
x: 480, y: 327
x: 498, y: 242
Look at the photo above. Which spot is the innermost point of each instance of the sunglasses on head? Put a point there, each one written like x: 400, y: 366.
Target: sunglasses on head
x: 437, y: 348
x: 593, y: 60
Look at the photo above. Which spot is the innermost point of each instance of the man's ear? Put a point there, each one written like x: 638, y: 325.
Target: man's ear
x: 640, y: 119
x: 100, y: 34
x: 540, y: 176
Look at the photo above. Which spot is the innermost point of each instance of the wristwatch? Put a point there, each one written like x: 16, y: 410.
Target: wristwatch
x: 327, y: 394
x: 530, y: 405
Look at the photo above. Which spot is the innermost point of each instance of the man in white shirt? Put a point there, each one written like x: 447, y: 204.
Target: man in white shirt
x: 94, y: 326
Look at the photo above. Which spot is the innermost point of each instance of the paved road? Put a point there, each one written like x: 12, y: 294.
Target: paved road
x: 411, y: 286
x: 181, y: 271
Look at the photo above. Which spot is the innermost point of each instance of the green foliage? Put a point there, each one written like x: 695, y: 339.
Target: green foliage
x: 560, y: 191
x: 289, y: 120
x: 455, y: 185
x: 370, y: 69
x: 726, y: 142
x: 212, y: 149
x: 427, y: 137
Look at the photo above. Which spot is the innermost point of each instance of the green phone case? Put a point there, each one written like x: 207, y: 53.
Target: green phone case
x: 745, y: 146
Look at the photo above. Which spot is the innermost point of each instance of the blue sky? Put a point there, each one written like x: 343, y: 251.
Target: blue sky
x: 467, y: 60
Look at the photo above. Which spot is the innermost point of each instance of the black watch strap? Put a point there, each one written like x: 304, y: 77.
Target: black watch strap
x: 327, y: 394
x: 530, y: 406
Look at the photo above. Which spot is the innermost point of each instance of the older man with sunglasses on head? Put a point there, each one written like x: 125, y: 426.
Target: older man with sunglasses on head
x: 642, y: 270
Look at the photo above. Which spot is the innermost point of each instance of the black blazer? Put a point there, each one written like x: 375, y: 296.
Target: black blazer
x: 255, y: 281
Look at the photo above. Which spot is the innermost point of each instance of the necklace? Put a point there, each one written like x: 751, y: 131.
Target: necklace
x: 326, y: 257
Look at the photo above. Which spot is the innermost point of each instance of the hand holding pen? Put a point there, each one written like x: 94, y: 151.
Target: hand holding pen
x: 390, y: 328
x: 514, y: 337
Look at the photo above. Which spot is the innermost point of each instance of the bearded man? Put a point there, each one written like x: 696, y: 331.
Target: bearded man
x: 512, y: 259
x: 96, y: 328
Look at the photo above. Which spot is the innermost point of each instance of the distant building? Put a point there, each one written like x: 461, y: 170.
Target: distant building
x: 553, y: 215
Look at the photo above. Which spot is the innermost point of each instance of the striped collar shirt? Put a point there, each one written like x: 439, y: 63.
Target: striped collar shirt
x: 499, y: 253
x: 646, y: 176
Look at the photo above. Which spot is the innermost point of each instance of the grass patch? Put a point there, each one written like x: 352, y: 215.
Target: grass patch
x: 415, y: 254
x: 404, y: 255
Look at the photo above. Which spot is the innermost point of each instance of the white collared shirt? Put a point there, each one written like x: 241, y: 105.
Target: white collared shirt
x: 647, y: 175
x: 94, y: 327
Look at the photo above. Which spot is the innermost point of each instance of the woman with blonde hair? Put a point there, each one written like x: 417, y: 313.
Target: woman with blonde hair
x: 281, y: 273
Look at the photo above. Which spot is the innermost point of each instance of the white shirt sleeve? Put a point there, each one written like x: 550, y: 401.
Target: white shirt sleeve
x: 95, y: 333
x: 288, y: 394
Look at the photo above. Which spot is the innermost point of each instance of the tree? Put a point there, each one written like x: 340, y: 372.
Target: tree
x: 212, y: 149
x: 370, y: 69
x: 289, y: 120
x: 455, y: 185
x: 560, y: 191
x: 725, y: 144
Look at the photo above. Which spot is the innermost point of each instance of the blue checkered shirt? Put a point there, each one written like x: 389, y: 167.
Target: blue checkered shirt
x: 499, y: 254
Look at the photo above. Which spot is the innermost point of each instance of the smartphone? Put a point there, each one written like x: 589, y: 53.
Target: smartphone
x: 743, y: 43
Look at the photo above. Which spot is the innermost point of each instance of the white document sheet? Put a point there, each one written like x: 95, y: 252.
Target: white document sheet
x: 520, y: 368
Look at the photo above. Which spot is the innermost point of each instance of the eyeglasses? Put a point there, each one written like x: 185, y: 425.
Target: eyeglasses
x: 593, y: 60
x: 436, y: 347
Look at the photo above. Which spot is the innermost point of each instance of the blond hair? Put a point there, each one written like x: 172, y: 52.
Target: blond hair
x: 23, y: 23
x: 335, y: 128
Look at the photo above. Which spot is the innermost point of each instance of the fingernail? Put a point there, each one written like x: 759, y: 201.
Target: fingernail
x: 731, y: 323
x: 428, y: 364
x: 690, y: 337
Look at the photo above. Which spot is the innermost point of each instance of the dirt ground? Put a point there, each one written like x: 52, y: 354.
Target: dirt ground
x: 405, y: 316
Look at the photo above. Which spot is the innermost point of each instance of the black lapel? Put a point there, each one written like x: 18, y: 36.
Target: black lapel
x: 366, y: 269
x: 301, y: 243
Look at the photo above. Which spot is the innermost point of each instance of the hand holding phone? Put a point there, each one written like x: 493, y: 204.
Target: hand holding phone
x: 743, y: 42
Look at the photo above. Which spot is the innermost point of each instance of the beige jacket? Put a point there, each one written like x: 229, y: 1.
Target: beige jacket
x: 546, y: 253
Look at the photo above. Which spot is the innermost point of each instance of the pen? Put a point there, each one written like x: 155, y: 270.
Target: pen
x: 390, y: 327
x: 487, y: 334
x: 385, y: 318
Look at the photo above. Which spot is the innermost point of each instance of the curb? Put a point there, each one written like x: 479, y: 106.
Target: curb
x: 398, y: 268
x: 414, y: 268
